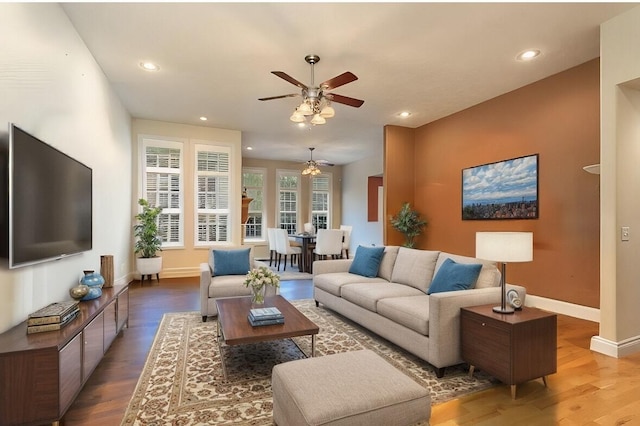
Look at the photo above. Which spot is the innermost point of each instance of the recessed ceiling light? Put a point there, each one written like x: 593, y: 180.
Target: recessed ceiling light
x: 149, y: 66
x: 527, y: 55
x: 404, y: 114
x: 203, y: 118
x: 249, y: 148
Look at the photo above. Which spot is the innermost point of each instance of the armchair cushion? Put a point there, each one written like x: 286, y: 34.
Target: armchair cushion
x: 231, y: 262
x: 454, y: 276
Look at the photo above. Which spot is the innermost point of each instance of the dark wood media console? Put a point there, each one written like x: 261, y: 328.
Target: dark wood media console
x: 41, y: 374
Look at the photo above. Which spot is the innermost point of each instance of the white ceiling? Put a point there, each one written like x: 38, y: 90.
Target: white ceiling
x: 432, y: 59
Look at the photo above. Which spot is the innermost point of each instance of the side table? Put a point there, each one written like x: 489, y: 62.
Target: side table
x: 514, y: 348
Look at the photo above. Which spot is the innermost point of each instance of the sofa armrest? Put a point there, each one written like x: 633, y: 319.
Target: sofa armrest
x: 205, y: 281
x: 329, y: 266
x: 444, y: 320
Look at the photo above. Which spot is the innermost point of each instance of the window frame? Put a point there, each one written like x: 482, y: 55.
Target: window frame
x: 261, y: 171
x: 329, y: 192
x: 145, y: 141
x: 279, y: 174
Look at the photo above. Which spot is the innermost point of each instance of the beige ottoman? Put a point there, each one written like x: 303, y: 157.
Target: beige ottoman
x: 351, y: 388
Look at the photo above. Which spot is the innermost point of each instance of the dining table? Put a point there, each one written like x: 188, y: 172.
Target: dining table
x: 305, y: 259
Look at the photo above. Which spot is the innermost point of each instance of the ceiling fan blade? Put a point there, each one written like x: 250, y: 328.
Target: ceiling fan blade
x: 290, y: 79
x: 290, y: 95
x: 333, y: 97
x: 339, y: 80
x: 324, y: 163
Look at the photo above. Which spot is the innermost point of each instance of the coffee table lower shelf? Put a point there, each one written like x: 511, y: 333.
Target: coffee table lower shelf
x: 233, y: 327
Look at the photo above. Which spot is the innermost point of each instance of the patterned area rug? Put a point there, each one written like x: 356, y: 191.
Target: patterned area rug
x: 182, y: 381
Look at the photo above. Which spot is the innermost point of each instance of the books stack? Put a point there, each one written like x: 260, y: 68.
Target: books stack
x: 52, y: 317
x: 265, y: 316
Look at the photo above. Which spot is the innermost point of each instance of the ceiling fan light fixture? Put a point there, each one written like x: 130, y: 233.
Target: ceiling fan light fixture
x: 318, y: 119
x: 327, y: 112
x: 296, y: 117
x: 305, y: 108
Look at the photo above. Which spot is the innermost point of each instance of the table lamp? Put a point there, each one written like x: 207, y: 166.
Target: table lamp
x: 504, y: 247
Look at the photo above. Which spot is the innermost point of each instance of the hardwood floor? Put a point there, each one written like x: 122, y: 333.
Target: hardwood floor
x: 588, y: 389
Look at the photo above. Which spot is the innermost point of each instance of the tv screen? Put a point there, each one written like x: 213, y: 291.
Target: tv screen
x: 50, y: 202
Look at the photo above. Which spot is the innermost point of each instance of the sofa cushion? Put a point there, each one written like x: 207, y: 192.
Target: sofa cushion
x: 231, y: 262
x: 411, y: 312
x: 367, y: 261
x: 333, y: 281
x: 452, y: 276
x: 228, y: 286
x: 367, y: 295
x: 414, y: 267
x: 387, y: 262
x: 489, y: 274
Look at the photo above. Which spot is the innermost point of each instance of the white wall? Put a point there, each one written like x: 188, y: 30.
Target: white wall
x: 620, y: 185
x: 52, y: 88
x: 354, y: 200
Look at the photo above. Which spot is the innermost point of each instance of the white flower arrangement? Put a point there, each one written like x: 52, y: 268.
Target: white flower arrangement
x: 260, y: 277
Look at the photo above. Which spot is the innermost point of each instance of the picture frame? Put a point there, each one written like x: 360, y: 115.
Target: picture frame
x: 506, y: 189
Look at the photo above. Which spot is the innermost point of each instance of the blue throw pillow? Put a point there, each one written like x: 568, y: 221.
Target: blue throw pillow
x: 455, y: 276
x: 367, y: 261
x: 231, y: 262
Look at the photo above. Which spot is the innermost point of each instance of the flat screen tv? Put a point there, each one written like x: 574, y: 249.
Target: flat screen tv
x: 50, y: 202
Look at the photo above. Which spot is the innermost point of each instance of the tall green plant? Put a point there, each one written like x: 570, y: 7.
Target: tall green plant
x: 408, y: 222
x: 146, y: 230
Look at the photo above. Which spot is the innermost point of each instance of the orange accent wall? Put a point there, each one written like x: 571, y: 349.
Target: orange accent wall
x: 399, y: 151
x: 557, y: 118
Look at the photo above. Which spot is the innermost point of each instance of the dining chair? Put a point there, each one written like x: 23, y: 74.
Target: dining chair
x: 271, y: 237
x: 328, y: 243
x: 283, y: 247
x: 346, y: 240
x: 309, y: 228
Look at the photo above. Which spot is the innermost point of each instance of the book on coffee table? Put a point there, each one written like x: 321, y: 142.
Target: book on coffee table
x: 272, y: 321
x: 262, y: 314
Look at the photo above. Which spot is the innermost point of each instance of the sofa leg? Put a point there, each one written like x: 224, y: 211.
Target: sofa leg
x: 439, y: 372
x: 204, y: 318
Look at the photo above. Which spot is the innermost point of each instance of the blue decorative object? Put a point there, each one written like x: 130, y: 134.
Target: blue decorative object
x: 94, y: 281
x: 455, y: 276
x: 367, y: 261
x: 231, y: 262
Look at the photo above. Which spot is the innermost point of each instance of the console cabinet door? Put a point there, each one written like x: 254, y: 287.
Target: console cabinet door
x: 70, y: 372
x: 110, y: 329
x: 123, y: 308
x: 93, y: 335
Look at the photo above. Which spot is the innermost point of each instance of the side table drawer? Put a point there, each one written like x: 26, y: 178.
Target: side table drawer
x: 486, y: 343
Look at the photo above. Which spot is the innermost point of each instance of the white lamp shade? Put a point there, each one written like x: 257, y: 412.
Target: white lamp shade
x: 505, y: 246
x: 296, y: 117
x: 305, y: 109
x: 327, y: 112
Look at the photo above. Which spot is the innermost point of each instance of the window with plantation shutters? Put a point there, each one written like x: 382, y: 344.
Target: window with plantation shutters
x: 253, y: 181
x: 288, y: 196
x: 162, y: 184
x: 213, y: 180
x: 320, y: 201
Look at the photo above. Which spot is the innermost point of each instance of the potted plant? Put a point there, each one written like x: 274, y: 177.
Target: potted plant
x: 148, y: 242
x: 408, y: 222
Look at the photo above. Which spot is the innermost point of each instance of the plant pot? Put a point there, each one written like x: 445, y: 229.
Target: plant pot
x: 149, y: 265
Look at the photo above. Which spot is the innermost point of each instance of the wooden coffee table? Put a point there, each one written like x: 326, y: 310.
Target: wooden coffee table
x: 233, y: 327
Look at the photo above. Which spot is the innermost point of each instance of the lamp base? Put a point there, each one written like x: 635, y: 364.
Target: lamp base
x: 501, y: 310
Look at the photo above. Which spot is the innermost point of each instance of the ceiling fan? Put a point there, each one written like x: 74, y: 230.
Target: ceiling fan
x: 312, y: 165
x: 316, y: 100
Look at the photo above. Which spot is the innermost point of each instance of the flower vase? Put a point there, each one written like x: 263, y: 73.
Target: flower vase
x: 257, y: 295
x: 95, y: 282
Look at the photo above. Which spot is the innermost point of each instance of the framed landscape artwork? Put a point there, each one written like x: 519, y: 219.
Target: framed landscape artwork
x: 503, y: 190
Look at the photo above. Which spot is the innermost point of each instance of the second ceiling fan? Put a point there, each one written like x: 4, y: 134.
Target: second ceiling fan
x: 316, y: 100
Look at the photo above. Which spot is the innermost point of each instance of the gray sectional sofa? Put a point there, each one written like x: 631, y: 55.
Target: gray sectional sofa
x: 395, y: 305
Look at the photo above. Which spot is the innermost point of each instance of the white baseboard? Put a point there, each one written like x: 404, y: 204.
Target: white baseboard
x: 565, y: 308
x: 615, y: 349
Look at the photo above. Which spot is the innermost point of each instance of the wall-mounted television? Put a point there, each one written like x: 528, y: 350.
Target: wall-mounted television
x: 50, y: 202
